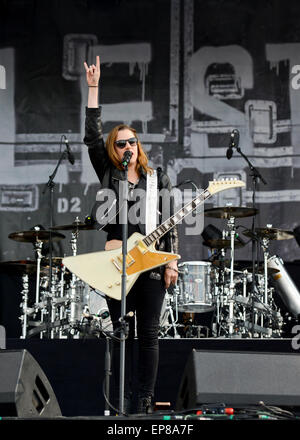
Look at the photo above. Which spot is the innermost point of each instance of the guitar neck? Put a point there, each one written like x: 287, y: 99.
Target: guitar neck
x: 176, y: 218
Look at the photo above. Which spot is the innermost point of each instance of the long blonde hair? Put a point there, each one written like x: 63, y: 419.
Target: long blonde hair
x: 142, y: 158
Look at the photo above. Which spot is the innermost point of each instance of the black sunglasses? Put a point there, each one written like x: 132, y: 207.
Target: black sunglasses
x: 122, y: 143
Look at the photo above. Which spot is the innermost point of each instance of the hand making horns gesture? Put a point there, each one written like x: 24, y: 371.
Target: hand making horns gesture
x: 93, y: 72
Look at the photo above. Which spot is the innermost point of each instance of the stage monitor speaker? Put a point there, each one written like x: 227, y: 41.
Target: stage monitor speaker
x: 240, y: 379
x: 24, y: 388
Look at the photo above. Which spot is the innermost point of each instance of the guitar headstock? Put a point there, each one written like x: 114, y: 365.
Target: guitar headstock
x: 215, y: 186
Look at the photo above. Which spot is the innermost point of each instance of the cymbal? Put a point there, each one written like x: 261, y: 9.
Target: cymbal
x: 25, y: 266
x: 33, y: 236
x: 271, y: 233
x: 230, y: 211
x: 73, y: 227
x: 221, y: 243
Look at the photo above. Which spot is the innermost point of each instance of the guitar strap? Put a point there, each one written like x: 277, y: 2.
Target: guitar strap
x: 151, y: 202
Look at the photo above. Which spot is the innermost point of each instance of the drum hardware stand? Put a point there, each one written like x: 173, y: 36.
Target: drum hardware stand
x: 265, y: 247
x: 169, y: 313
x: 231, y: 319
x: 53, y: 309
x: 220, y: 283
x: 74, y: 299
x: 62, y: 313
x: 47, y: 309
x: 245, y: 278
x: 265, y: 295
x: 24, y: 305
x: 38, y: 250
x: 44, y: 310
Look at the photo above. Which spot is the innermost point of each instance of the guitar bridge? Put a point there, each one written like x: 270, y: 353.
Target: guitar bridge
x: 118, y: 262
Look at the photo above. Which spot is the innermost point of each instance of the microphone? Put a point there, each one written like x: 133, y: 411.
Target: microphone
x: 127, y: 317
x: 71, y: 158
x: 126, y: 158
x: 234, y: 142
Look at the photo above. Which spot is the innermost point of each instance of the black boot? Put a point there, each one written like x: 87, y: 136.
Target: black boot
x: 144, y: 405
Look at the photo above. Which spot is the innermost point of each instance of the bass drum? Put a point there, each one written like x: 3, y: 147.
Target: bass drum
x: 195, y: 287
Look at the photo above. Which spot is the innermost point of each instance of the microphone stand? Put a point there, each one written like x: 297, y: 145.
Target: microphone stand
x: 107, y: 366
x: 255, y: 174
x: 124, y: 325
x: 50, y: 184
x: 107, y: 369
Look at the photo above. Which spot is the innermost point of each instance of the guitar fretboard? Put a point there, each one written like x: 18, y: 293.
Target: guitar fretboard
x: 176, y: 218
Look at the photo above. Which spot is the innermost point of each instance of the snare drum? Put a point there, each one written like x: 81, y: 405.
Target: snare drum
x: 194, y: 284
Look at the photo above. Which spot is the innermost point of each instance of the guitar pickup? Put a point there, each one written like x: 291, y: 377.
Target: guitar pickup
x: 129, y: 259
x: 117, y: 265
x: 142, y: 247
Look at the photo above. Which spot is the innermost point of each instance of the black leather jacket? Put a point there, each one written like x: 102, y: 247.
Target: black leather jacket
x: 109, y: 175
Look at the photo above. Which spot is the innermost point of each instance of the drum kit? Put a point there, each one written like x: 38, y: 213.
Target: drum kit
x: 65, y: 308
x: 236, y: 300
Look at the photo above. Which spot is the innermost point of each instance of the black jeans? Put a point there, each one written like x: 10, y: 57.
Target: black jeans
x: 146, y: 299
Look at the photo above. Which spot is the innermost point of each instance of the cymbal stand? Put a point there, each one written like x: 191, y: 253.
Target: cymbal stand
x: 53, y: 303
x: 265, y: 247
x: 74, y: 298
x: 62, y: 291
x: 24, y: 304
x: 231, y: 227
x: 219, y: 285
x: 38, y: 250
x: 222, y: 273
x: 245, y: 280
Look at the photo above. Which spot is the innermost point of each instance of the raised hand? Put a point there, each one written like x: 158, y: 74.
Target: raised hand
x: 93, y: 72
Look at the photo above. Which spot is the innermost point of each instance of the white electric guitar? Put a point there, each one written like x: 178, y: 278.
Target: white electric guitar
x: 103, y: 270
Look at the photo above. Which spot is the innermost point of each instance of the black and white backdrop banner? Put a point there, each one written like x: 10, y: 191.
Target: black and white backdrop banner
x: 183, y: 73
